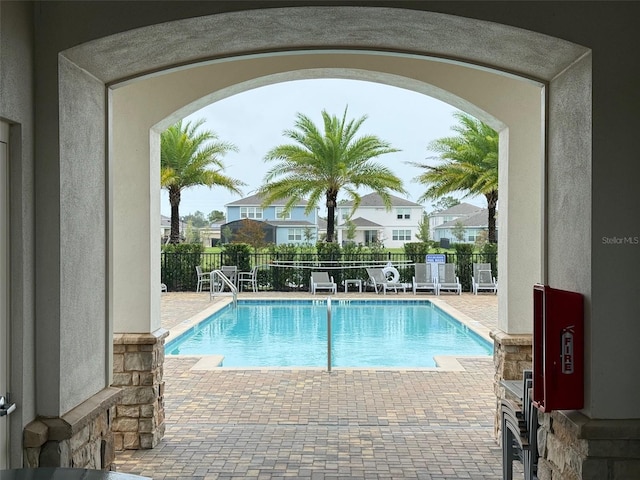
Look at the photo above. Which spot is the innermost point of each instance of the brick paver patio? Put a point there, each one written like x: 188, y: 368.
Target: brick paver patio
x: 308, y: 423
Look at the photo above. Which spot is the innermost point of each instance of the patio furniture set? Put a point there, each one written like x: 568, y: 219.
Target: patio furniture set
x: 429, y: 277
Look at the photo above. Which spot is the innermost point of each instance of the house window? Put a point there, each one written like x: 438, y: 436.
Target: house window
x: 295, y: 234
x: 403, y: 213
x: 401, y: 235
x: 344, y: 213
x: 472, y: 238
x: 250, y: 212
x: 280, y: 213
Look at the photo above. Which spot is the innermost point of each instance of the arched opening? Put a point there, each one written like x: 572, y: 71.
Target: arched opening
x: 490, y: 96
x: 490, y: 71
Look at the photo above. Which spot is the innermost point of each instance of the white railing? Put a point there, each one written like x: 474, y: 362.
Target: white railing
x: 217, y: 277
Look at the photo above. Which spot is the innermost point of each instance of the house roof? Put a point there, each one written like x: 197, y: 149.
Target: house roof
x: 290, y: 223
x: 256, y: 200
x: 460, y: 209
x: 361, y: 222
x: 375, y: 200
x: 479, y: 219
x: 274, y: 223
x: 165, y: 222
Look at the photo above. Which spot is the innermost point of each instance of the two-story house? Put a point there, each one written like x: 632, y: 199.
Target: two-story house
x: 280, y: 228
x: 372, y: 222
x: 469, y: 220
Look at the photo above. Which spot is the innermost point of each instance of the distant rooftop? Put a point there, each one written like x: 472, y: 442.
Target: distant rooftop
x: 460, y: 209
x: 478, y: 219
x: 256, y: 201
x: 375, y: 200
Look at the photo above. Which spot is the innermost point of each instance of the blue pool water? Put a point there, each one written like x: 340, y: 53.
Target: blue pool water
x: 364, y: 334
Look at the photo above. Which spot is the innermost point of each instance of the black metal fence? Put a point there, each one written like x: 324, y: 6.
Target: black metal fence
x: 289, y: 271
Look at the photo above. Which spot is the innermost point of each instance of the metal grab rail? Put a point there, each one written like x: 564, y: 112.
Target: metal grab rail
x: 329, y: 334
x: 233, y: 290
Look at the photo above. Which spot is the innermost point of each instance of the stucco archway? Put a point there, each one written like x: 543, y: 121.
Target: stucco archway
x: 85, y: 71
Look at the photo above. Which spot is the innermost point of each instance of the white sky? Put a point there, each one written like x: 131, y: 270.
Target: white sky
x: 254, y: 122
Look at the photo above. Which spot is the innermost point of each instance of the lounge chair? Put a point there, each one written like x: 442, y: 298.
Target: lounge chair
x: 447, y: 279
x: 482, y: 279
x: 381, y: 283
x: 322, y: 281
x: 423, y: 279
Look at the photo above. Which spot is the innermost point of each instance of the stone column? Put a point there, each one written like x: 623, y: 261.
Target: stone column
x: 512, y: 354
x: 138, y: 370
x: 82, y: 438
x: 573, y: 446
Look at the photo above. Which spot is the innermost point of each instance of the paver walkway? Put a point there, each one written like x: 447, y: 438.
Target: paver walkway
x: 308, y: 423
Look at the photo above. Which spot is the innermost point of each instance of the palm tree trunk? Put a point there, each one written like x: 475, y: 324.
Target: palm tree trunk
x: 174, y: 200
x: 492, y: 203
x: 331, y: 215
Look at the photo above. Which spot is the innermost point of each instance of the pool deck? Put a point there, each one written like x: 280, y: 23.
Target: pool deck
x: 225, y: 423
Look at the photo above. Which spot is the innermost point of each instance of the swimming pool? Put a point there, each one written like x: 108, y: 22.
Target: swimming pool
x: 365, y: 333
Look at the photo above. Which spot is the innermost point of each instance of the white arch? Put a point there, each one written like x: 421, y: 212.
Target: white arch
x: 157, y: 101
x: 257, y: 35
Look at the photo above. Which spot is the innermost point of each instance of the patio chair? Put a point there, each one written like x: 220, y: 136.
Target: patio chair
x: 231, y: 272
x: 248, y: 278
x: 520, y: 432
x: 482, y: 279
x: 423, y: 278
x: 381, y: 283
x: 322, y: 281
x: 204, y: 279
x: 447, y: 279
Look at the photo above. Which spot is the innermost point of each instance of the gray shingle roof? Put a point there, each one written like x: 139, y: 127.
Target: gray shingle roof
x: 256, y: 201
x: 362, y: 222
x: 479, y: 219
x: 460, y: 209
x: 275, y: 223
x: 375, y: 200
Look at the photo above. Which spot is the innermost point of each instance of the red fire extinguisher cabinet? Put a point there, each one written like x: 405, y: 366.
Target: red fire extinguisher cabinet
x: 558, y: 349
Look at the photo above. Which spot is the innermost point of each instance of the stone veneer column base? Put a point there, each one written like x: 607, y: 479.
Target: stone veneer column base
x: 573, y: 446
x: 81, y: 438
x: 512, y: 354
x: 138, y: 361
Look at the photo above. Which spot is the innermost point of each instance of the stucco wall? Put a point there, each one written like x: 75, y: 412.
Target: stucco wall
x: 608, y: 210
x: 16, y: 107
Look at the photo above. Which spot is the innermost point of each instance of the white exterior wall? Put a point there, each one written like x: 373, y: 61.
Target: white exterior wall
x: 388, y: 221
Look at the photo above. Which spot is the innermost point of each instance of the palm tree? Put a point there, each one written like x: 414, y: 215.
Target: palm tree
x: 321, y: 164
x: 186, y: 158
x: 470, y: 165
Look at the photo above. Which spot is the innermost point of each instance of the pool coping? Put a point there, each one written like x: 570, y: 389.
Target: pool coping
x: 444, y: 363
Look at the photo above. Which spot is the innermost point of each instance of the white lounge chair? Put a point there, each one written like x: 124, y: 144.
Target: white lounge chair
x: 322, y: 281
x: 381, y: 283
x: 447, y: 279
x: 423, y: 278
x: 482, y: 279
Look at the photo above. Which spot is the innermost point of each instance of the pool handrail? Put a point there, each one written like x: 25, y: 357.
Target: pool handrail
x: 224, y: 280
